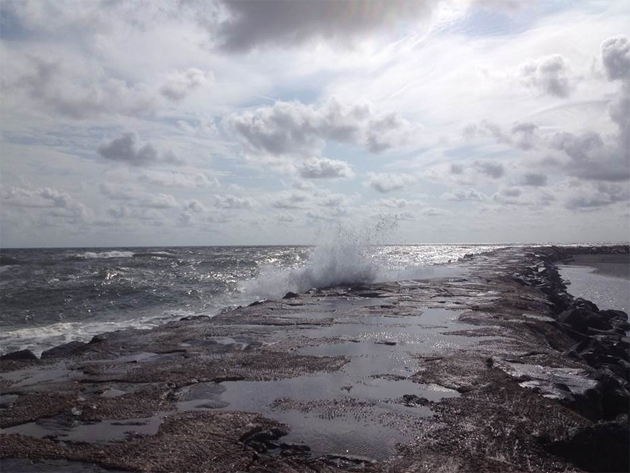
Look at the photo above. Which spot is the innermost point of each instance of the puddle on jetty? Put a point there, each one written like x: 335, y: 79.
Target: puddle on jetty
x: 357, y: 410
x: 64, y: 427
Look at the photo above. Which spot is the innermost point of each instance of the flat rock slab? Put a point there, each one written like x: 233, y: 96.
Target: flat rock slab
x: 467, y: 373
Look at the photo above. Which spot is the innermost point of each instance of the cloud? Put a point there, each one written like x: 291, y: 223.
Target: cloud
x: 127, y: 149
x: 52, y: 84
x: 332, y: 200
x: 388, y: 182
x: 180, y: 84
x: 593, y: 196
x: 490, y: 169
x: 616, y: 57
x: 316, y: 168
x: 291, y: 200
x: 288, y: 23
x: 183, y: 180
x: 522, y: 135
x: 59, y: 204
x: 534, y: 179
x: 138, y: 198
x: 194, y: 206
x: 293, y: 128
x: 433, y: 212
x: 394, y: 203
x: 550, y: 75
x: 233, y: 202
x: 463, y: 195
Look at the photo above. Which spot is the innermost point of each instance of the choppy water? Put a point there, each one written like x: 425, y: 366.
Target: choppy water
x: 52, y: 296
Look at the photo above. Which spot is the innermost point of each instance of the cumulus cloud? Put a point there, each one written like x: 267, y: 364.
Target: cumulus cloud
x: 53, y: 85
x: 394, y: 203
x: 616, y: 57
x: 194, y: 206
x: 287, y: 23
x: 332, y: 200
x: 293, y: 128
x: 522, y: 135
x: 185, y: 180
x: 463, y: 195
x: 179, y: 85
x: 550, y: 75
x: 388, y: 182
x: 291, y: 200
x: 137, y: 198
x: 591, y: 157
x: 433, y: 212
x: 316, y: 168
x: 129, y: 150
x: 592, y: 196
x: 59, y: 204
x: 490, y: 169
x: 233, y: 202
x: 534, y: 180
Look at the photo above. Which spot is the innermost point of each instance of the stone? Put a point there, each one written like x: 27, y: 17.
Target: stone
x: 602, y: 447
x: 19, y: 355
x: 63, y: 350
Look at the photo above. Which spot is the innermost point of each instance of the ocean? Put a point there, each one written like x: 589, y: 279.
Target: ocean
x: 53, y: 296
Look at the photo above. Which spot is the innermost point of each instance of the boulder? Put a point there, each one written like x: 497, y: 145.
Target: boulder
x: 581, y: 318
x: 19, y: 355
x: 602, y: 447
x: 63, y: 350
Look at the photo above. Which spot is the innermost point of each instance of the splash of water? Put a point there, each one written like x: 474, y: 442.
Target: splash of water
x: 347, y: 257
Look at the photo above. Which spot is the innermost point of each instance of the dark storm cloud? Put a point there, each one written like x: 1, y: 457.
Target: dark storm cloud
x: 287, y: 23
x: 128, y: 150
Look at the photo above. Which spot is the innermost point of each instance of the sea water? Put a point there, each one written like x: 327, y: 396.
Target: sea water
x: 53, y: 296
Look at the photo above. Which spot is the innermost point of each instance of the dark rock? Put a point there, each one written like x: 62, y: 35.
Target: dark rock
x: 581, y: 318
x: 64, y: 350
x: 601, y: 447
x: 411, y: 400
x: 614, y: 390
x: 611, y: 314
x: 19, y: 355
x: 385, y: 342
x: 291, y: 295
x: 255, y: 303
x: 98, y: 338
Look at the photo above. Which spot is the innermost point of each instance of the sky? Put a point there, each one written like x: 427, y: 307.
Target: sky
x: 244, y: 122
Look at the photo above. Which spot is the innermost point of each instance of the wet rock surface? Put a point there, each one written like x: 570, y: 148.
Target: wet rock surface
x: 496, y: 369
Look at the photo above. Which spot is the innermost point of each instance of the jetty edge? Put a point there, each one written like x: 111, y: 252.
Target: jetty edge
x: 496, y: 369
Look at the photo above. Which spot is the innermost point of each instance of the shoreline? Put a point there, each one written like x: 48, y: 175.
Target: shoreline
x: 429, y: 359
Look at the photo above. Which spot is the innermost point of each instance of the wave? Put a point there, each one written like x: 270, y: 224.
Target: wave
x: 8, y: 260
x: 154, y: 254
x: 38, y: 339
x: 347, y: 258
x: 105, y: 254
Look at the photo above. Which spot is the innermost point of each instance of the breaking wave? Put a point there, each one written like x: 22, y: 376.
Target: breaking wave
x: 349, y: 257
x: 105, y: 254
